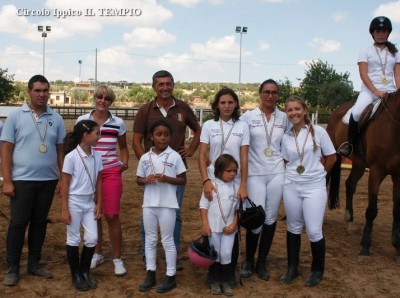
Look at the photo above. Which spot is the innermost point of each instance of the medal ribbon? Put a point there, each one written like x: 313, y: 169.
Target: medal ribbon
x: 219, y: 204
x: 37, y: 126
x: 383, y: 65
x: 152, y: 164
x: 225, y: 140
x: 92, y: 182
x: 268, y: 134
x: 301, y: 155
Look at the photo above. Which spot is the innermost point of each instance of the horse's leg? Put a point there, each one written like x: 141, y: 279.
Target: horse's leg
x: 396, y: 215
x: 375, y: 178
x: 351, y: 184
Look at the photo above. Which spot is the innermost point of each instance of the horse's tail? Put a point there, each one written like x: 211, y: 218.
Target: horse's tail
x: 334, y: 179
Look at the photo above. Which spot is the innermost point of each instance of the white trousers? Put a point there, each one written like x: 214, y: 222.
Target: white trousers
x: 154, y: 217
x: 81, y: 209
x: 223, y: 244
x: 266, y: 191
x: 364, y: 99
x: 305, y: 205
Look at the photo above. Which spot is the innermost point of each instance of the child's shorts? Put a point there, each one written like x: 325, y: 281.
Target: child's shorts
x: 112, y: 190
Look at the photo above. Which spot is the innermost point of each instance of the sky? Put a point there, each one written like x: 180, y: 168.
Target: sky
x: 193, y: 39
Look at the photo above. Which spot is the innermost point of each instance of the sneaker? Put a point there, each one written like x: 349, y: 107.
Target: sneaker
x: 119, y: 267
x: 97, y: 260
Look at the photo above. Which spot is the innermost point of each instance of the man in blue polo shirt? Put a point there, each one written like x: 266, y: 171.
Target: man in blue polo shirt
x: 32, y: 155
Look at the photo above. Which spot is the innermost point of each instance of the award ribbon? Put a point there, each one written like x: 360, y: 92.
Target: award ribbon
x: 300, y: 169
x: 268, y: 151
x: 152, y: 164
x: 42, y: 146
x: 92, y: 182
x: 225, y: 140
x: 383, y: 65
x: 220, y: 207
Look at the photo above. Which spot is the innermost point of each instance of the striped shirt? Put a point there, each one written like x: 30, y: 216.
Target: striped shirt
x: 107, y: 145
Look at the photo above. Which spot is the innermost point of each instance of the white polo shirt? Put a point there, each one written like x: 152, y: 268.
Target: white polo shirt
x: 259, y: 163
x: 370, y: 56
x: 228, y: 202
x: 81, y: 182
x: 168, y: 162
x: 314, y: 170
x: 233, y: 134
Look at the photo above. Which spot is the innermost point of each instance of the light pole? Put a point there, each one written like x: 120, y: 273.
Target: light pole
x: 79, y: 82
x: 241, y: 31
x: 44, y: 30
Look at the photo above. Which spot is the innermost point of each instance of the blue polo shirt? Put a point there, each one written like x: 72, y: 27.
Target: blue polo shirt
x: 27, y: 162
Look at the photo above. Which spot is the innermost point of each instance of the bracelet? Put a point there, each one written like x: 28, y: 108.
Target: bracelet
x: 208, y: 179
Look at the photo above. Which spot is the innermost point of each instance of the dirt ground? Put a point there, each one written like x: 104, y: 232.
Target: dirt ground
x: 345, y: 275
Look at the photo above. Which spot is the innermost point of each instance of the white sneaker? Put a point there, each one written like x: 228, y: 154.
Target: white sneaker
x: 119, y: 267
x: 97, y: 260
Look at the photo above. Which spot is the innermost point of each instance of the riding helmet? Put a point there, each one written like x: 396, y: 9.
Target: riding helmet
x: 200, y: 252
x: 380, y: 23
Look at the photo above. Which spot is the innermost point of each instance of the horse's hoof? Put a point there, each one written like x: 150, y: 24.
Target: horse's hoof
x: 363, y: 259
x: 348, y: 217
x: 351, y: 227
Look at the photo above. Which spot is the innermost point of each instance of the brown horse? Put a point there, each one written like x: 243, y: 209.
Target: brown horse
x: 378, y: 148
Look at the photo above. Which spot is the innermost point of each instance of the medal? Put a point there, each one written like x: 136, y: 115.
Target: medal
x: 268, y: 152
x: 300, y: 169
x: 384, y: 79
x: 42, y: 148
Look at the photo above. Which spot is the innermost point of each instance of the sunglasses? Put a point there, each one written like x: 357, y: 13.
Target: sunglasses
x: 267, y: 92
x: 106, y: 98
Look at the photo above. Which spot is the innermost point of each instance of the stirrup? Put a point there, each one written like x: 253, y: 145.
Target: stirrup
x: 345, y: 150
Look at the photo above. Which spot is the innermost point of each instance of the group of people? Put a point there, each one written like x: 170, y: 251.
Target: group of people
x: 264, y: 154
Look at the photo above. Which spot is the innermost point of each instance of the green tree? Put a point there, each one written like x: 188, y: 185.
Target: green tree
x: 316, y: 75
x: 333, y: 94
x: 7, y: 90
x: 21, y: 92
x: 285, y: 90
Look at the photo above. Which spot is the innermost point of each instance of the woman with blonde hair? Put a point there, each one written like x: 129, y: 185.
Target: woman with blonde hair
x: 113, y: 135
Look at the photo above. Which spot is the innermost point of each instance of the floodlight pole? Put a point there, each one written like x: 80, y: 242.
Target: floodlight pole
x: 44, y: 30
x: 79, y: 82
x: 241, y: 31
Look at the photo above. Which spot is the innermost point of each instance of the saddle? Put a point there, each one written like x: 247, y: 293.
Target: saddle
x: 367, y: 115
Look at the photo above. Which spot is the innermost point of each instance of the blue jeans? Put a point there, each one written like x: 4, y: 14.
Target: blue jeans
x: 180, y: 190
